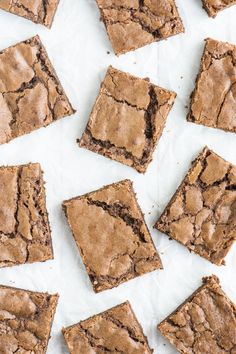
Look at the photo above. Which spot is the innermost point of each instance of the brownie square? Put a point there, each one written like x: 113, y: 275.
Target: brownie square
x: 111, y: 234
x: 213, y: 100
x: 38, y: 11
x: 127, y: 119
x: 114, y: 330
x: 212, y: 7
x: 202, y: 213
x: 31, y: 95
x: 132, y: 24
x: 25, y: 235
x: 25, y: 319
x: 204, y: 323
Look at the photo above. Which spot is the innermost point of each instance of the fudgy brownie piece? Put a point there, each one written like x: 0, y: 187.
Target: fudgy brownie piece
x: 115, y: 331
x: 38, y: 11
x: 25, y: 235
x: 132, y: 24
x: 212, y: 7
x: 202, y: 213
x: 111, y: 234
x: 31, y: 95
x: 213, y: 100
x: 25, y: 320
x: 127, y: 119
x: 204, y: 323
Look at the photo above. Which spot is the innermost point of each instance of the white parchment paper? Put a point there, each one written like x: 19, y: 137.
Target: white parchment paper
x: 77, y: 44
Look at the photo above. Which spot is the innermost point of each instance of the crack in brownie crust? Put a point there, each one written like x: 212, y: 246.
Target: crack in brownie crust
x: 38, y: 11
x: 212, y: 7
x: 111, y: 234
x: 25, y: 320
x: 202, y: 213
x: 31, y: 95
x: 204, y: 323
x: 136, y: 23
x: 25, y: 235
x: 213, y: 102
x: 115, y: 331
x: 127, y: 119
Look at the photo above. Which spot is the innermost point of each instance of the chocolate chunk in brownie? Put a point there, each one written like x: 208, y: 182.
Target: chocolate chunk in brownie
x: 213, y: 102
x: 111, y: 234
x: 31, y: 95
x: 132, y: 24
x: 116, y: 330
x: 212, y: 7
x: 202, y: 213
x: 38, y: 11
x: 25, y: 320
x: 25, y: 235
x: 204, y: 323
x: 127, y: 119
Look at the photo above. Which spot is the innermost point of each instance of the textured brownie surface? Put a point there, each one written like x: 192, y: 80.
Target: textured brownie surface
x: 114, y: 331
x: 214, y: 6
x: 25, y: 235
x: 204, y: 323
x: 127, y: 119
x: 110, y: 231
x: 132, y: 24
x: 202, y: 213
x: 213, y: 101
x: 31, y: 95
x: 25, y: 320
x: 38, y: 11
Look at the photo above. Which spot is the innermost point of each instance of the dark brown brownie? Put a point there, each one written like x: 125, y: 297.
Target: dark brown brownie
x: 127, y: 119
x: 25, y: 320
x: 116, y: 330
x: 213, y: 7
x: 25, y: 235
x: 202, y: 213
x: 204, y: 323
x: 213, y: 100
x: 111, y: 234
x: 38, y: 11
x: 132, y: 24
x: 31, y: 95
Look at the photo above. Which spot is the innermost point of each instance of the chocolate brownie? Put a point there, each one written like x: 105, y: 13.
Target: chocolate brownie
x: 212, y: 7
x: 31, y: 95
x: 38, y: 11
x: 132, y: 24
x: 127, y: 119
x: 25, y: 235
x: 204, y: 323
x: 25, y: 320
x: 111, y: 234
x: 202, y: 213
x: 213, y: 100
x: 113, y: 331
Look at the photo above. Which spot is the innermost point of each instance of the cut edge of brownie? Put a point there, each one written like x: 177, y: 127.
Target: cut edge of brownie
x: 214, y: 11
x: 98, y: 288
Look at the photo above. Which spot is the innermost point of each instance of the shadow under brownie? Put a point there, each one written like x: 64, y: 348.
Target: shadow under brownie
x: 110, y: 232
x: 127, y: 119
x: 213, y: 7
x: 202, y: 213
x: 115, y: 331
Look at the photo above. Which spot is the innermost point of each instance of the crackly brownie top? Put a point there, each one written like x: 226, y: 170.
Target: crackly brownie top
x: 30, y: 93
x: 38, y: 11
x: 127, y: 119
x: 111, y: 234
x: 214, y: 6
x: 24, y: 228
x: 25, y: 320
x: 115, y: 331
x: 213, y: 101
x: 205, y: 323
x: 134, y: 23
x: 202, y: 213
